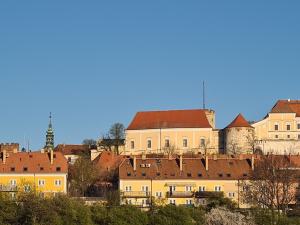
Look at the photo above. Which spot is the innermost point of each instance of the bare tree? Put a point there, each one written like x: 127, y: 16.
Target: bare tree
x: 233, y: 148
x: 89, y: 141
x: 271, y: 184
x: 205, y: 146
x: 117, y: 132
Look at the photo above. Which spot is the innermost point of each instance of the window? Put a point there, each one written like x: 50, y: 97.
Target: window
x: 42, y: 183
x: 188, y: 188
x: 184, y: 142
x: 12, y: 195
x: 172, y: 188
x: 57, y: 182
x: 13, y: 182
x: 202, y: 142
x: 201, y: 188
x: 167, y: 143
x: 288, y: 127
x: 131, y: 144
x: 127, y: 188
x: 149, y: 144
x: 158, y: 194
x: 276, y: 127
x: 276, y: 136
x: 298, y: 126
x: 299, y: 136
x: 145, y: 188
x: 231, y: 194
x: 129, y: 201
x: 189, y: 202
x: 172, y: 201
x: 218, y: 188
x: 27, y: 188
x: 288, y: 136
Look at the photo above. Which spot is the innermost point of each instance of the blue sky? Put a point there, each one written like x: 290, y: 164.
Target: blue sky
x: 93, y: 63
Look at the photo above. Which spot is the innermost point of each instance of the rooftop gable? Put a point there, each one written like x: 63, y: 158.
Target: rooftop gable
x: 239, y: 121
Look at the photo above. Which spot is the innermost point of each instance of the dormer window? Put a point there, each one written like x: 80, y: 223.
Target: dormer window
x: 58, y: 169
x: 25, y: 169
x: 12, y: 169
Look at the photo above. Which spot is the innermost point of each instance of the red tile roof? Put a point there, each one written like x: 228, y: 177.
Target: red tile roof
x: 239, y: 121
x: 34, y: 162
x: 287, y: 106
x: 108, y: 161
x: 68, y: 149
x: 193, y: 168
x: 195, y: 118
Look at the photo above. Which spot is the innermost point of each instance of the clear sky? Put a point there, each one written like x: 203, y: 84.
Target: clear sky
x: 93, y: 63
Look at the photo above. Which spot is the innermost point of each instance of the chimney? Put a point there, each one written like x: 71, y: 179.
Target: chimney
x: 4, y: 156
x: 252, y: 162
x: 51, y: 156
x: 180, y: 163
x: 206, y: 163
x: 170, y: 156
x: 143, y: 156
x: 134, y: 163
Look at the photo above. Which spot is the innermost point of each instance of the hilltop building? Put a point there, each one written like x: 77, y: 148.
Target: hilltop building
x: 173, y: 131
x: 279, y: 131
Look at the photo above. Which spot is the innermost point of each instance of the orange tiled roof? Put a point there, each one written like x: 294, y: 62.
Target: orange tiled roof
x: 108, y: 161
x: 68, y: 149
x: 239, y: 121
x: 193, y: 168
x: 287, y: 106
x: 34, y: 162
x: 195, y: 118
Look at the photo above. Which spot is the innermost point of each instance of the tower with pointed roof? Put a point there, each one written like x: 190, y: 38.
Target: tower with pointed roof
x: 49, y: 135
x: 239, y: 136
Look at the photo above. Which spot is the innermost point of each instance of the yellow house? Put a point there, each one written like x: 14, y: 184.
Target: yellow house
x: 173, y: 131
x: 279, y: 131
x: 44, y: 173
x: 181, y: 179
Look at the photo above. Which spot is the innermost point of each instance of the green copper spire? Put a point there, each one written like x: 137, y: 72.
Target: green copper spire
x: 50, y: 135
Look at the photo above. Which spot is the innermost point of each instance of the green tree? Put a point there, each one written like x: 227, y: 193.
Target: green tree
x: 171, y: 215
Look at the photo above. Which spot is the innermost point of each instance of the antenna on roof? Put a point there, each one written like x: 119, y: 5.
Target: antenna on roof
x: 203, y: 86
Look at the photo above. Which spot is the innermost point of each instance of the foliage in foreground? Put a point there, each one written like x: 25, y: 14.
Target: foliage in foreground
x: 62, y: 210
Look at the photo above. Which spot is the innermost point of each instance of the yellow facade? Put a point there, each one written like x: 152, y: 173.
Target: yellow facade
x: 45, y: 184
x: 184, y: 192
x: 179, y: 140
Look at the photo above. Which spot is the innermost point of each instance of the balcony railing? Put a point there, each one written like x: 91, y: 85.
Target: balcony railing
x: 180, y: 194
x: 8, y: 188
x: 208, y: 194
x: 136, y: 194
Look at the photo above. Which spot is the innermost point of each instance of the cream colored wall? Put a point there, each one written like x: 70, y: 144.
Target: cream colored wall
x: 265, y: 129
x: 227, y: 186
x: 176, y: 136
x: 239, y: 139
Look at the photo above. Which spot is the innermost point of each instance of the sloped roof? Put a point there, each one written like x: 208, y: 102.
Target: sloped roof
x: 287, y: 106
x: 70, y: 149
x: 239, y: 121
x: 195, y: 118
x: 34, y: 162
x: 193, y: 168
x: 108, y: 161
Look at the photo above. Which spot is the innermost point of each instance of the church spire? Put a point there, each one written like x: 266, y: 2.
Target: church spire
x: 49, y: 135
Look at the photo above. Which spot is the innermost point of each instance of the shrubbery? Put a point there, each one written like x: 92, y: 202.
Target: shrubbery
x: 62, y: 210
